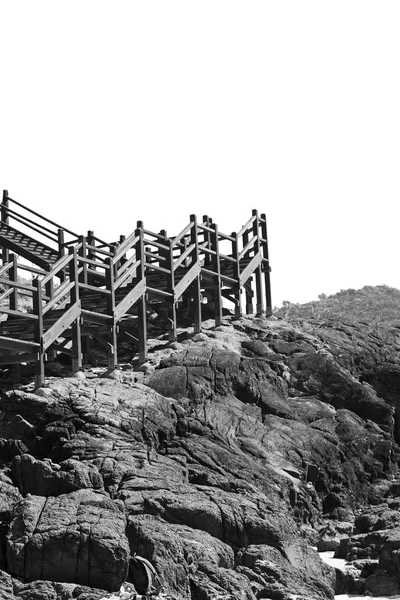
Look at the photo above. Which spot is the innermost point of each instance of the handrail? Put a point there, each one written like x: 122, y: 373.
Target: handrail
x: 184, y: 256
x: 5, y: 294
x: 89, y: 261
x: 156, y: 244
x: 227, y: 257
x: 131, y: 264
x: 40, y: 216
x: 61, y: 293
x: 203, y: 227
x: 126, y: 245
x: 150, y: 266
x: 17, y: 313
x: 99, y: 250
x: 58, y: 266
x: 224, y: 236
x: 24, y: 220
x: 124, y: 276
x: 15, y: 284
x: 5, y: 268
x: 32, y: 269
x: 247, y: 246
x: 159, y: 236
x: 246, y: 226
x: 35, y: 229
x: 180, y: 235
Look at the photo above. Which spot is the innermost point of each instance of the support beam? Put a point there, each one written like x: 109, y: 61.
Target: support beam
x: 217, y: 278
x: 258, y: 273
x: 38, y: 311
x: 266, y: 266
x: 194, y: 239
x: 142, y: 314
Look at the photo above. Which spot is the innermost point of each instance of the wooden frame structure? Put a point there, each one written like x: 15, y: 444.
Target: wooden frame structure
x: 84, y: 288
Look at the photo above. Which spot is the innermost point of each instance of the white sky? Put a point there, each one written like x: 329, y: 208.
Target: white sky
x: 116, y: 111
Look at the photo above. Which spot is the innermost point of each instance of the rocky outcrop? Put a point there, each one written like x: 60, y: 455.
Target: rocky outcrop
x: 220, y: 461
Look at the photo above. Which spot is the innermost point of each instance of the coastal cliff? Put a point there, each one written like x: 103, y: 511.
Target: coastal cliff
x: 226, y: 460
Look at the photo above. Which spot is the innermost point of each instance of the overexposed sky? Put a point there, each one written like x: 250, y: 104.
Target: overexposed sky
x: 113, y: 112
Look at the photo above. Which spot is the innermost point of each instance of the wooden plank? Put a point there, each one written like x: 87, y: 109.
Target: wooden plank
x: 89, y: 316
x: 17, y: 345
x: 161, y: 293
x: 63, y: 323
x: 251, y: 267
x: 17, y: 313
x: 20, y: 286
x: 245, y: 227
x: 133, y: 296
x: 58, y: 266
x: 93, y: 288
x: 183, y: 257
x: 60, y: 293
x: 12, y: 359
x: 187, y: 280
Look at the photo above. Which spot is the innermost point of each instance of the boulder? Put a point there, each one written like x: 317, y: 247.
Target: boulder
x: 77, y: 538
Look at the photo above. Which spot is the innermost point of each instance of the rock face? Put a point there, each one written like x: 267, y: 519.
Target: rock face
x: 221, y: 462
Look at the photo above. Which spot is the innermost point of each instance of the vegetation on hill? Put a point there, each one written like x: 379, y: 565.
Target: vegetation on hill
x: 375, y: 305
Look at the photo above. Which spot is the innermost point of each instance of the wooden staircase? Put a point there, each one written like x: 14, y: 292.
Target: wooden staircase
x: 27, y: 247
x: 85, y: 289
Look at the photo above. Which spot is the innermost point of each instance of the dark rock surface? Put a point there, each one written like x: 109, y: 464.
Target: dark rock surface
x: 225, y: 462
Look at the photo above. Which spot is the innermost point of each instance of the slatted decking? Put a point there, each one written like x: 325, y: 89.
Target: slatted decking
x: 85, y: 289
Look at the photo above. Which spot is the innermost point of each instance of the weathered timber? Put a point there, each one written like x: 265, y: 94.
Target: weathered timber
x: 85, y: 287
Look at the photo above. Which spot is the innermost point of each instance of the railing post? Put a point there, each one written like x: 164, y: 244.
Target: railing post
x: 5, y: 219
x: 141, y: 304
x: 207, y: 238
x: 194, y: 239
x: 112, y: 334
x: 258, y: 271
x: 13, y: 304
x: 247, y: 284
x: 38, y: 311
x: 168, y: 254
x: 266, y: 267
x: 83, y: 277
x: 49, y: 287
x: 236, y: 271
x: 61, y: 250
x: 13, y: 276
x: 217, y: 277
x: 76, y: 325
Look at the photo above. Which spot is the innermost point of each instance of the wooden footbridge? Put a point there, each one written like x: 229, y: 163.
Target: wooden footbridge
x: 60, y: 290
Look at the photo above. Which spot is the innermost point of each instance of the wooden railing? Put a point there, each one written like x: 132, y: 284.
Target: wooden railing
x: 26, y: 220
x: 143, y: 270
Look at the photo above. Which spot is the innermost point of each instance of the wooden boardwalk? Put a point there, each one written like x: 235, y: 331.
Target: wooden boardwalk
x: 82, y: 288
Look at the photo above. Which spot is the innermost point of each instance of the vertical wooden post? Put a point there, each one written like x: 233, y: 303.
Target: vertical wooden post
x: 61, y: 251
x: 49, y: 288
x: 258, y: 271
x: 217, y: 277
x: 5, y: 219
x: 142, y: 316
x: 123, y: 258
x: 194, y: 239
x: 13, y: 276
x: 168, y: 254
x: 207, y: 238
x: 76, y: 325
x: 236, y: 270
x: 112, y: 334
x: 247, y: 284
x: 13, y: 303
x: 38, y: 311
x: 266, y: 267
x: 83, y: 277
